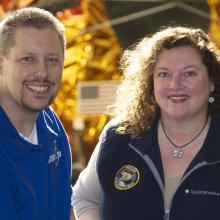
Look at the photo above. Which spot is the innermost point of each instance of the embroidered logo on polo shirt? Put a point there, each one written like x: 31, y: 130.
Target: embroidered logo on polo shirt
x: 126, y: 177
x: 55, y: 156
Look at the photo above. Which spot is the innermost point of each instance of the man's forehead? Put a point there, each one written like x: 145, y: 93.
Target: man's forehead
x: 31, y: 34
x: 29, y: 39
x: 27, y: 29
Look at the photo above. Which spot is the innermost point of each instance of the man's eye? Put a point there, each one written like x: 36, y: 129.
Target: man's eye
x: 27, y: 59
x: 52, y: 60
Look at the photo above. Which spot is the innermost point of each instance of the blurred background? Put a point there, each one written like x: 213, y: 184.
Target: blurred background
x: 97, y: 32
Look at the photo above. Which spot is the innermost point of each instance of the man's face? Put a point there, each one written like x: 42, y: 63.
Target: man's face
x: 31, y: 72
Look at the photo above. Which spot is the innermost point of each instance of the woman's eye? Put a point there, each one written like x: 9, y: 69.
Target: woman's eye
x: 163, y: 74
x: 189, y: 73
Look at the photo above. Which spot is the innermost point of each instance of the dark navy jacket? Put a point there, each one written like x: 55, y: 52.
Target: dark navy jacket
x: 35, y: 179
x: 132, y: 180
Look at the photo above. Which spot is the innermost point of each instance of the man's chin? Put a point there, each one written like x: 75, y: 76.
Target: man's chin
x: 35, y: 109
x: 37, y: 106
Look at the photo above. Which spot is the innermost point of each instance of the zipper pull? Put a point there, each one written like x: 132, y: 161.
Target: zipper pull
x: 166, y: 216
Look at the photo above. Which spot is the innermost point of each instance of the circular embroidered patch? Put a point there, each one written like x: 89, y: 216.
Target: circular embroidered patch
x: 126, y: 177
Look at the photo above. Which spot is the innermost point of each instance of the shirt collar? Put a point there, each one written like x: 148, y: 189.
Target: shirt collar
x: 15, y: 144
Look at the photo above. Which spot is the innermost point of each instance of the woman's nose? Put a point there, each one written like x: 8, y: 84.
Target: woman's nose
x: 176, y: 82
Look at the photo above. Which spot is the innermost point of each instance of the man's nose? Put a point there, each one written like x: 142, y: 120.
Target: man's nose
x: 41, y: 68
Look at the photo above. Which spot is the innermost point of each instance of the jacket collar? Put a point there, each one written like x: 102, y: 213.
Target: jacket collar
x: 148, y: 141
x: 210, y: 151
x: 148, y: 144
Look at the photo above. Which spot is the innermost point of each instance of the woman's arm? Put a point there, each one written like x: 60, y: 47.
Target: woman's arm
x: 86, y: 191
x: 72, y: 215
x: 91, y: 214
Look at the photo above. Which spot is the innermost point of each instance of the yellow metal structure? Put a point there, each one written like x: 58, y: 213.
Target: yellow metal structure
x: 214, y: 29
x: 92, y: 54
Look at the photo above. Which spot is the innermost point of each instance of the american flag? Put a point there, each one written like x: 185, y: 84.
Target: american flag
x: 94, y: 97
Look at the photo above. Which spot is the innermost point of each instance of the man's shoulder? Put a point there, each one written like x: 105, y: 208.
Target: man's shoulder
x: 49, y: 111
x: 49, y: 118
x: 49, y: 115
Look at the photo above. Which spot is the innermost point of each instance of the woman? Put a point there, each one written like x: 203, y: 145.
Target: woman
x: 160, y: 157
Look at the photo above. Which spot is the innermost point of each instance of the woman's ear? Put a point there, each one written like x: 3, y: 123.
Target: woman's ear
x: 212, y: 88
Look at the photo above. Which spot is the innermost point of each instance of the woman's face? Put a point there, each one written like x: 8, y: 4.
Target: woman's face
x: 181, y: 83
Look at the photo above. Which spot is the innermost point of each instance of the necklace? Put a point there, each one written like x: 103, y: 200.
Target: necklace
x: 178, y: 151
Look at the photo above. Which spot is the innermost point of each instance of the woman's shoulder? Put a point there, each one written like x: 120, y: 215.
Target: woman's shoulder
x: 110, y: 129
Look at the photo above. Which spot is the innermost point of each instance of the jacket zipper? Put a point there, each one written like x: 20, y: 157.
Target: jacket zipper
x: 166, y: 216
x: 202, y: 164
x: 151, y: 165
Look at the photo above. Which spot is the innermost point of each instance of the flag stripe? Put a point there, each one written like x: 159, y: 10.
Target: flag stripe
x: 96, y: 104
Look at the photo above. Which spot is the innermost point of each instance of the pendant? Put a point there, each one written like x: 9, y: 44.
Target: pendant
x: 177, y: 153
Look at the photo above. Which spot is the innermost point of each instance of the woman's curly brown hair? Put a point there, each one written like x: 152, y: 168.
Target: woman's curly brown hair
x: 135, y: 105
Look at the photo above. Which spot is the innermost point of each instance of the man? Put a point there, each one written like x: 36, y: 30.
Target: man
x: 35, y: 158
